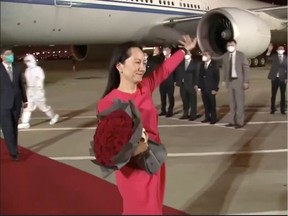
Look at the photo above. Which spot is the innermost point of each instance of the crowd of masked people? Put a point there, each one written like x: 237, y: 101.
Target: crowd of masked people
x: 190, y: 76
x: 202, y: 75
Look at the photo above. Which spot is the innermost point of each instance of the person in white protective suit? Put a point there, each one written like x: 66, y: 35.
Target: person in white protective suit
x: 35, y: 76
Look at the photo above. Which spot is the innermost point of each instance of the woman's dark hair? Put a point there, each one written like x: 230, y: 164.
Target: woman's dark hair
x: 120, y: 54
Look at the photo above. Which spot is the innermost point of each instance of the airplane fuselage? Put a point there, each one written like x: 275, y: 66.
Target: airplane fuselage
x: 38, y: 22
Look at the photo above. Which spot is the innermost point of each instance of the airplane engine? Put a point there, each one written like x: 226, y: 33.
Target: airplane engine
x: 98, y: 52
x: 222, y: 24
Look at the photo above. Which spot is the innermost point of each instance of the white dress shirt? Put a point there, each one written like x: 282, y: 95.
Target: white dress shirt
x: 234, y: 73
x: 6, y: 67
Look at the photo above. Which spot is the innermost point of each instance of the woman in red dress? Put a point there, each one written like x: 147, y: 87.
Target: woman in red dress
x: 142, y: 193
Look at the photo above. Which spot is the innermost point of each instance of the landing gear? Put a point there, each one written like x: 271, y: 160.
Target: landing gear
x: 259, y: 61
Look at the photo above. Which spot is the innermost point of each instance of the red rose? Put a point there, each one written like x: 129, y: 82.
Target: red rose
x: 113, y: 132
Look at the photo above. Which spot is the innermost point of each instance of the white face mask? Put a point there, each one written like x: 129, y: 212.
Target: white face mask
x: 187, y: 56
x: 280, y: 52
x: 204, y: 58
x: 231, y: 48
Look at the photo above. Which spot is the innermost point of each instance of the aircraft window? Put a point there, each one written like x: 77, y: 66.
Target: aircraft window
x: 195, y: 6
x: 160, y: 2
x: 172, y: 3
x: 164, y: 2
x: 188, y: 5
x: 168, y: 2
x: 184, y: 4
x: 180, y: 4
x: 191, y: 5
x: 198, y: 6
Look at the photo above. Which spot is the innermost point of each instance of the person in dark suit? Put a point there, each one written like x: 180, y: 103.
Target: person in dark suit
x: 167, y: 88
x: 187, y: 80
x: 12, y: 97
x: 235, y: 78
x: 208, y: 83
x: 153, y: 61
x: 278, y: 77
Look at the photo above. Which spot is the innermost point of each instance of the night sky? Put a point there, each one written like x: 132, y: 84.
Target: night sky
x: 277, y: 2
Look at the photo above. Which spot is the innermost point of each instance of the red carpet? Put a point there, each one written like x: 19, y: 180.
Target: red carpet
x: 38, y: 185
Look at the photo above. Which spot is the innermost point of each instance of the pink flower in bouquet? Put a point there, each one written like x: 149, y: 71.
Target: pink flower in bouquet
x: 112, y: 133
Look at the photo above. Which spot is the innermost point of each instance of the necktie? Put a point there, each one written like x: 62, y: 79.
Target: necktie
x: 230, y: 66
x: 280, y: 58
x: 206, y: 66
x: 10, y: 72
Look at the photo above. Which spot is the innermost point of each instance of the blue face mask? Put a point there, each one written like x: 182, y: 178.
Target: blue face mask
x: 10, y: 58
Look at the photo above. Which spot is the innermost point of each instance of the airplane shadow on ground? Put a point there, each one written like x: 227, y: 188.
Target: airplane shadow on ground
x: 48, y: 142
x: 70, y: 115
x: 216, y: 196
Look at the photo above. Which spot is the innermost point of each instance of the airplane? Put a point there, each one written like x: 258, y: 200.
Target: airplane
x: 91, y: 26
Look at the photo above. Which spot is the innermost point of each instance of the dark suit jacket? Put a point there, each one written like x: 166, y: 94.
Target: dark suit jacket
x: 12, y: 94
x: 209, y: 78
x: 171, y: 79
x: 190, y: 75
x: 152, y: 63
x: 278, y: 67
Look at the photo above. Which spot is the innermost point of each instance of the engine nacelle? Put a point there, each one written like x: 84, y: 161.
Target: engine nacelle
x: 222, y: 24
x: 98, y: 52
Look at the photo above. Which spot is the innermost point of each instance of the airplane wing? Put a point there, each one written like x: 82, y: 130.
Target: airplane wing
x: 279, y: 12
x: 215, y: 27
x: 171, y: 30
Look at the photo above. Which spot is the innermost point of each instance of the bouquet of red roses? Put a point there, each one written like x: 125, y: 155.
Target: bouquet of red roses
x: 117, y: 135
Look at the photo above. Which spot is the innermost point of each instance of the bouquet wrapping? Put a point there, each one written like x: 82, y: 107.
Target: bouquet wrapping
x: 117, y: 136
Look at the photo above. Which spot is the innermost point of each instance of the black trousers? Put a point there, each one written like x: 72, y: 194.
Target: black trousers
x: 275, y: 85
x: 9, y: 122
x: 167, y: 90
x: 209, y: 101
x: 189, y: 99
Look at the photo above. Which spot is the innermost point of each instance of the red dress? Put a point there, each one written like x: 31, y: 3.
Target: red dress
x: 143, y: 193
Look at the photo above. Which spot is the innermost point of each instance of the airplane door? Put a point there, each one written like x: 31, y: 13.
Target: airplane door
x: 63, y: 3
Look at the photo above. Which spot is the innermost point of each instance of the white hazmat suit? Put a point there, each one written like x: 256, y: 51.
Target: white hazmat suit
x: 35, y: 76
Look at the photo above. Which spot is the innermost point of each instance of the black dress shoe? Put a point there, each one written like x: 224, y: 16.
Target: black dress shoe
x: 283, y: 112
x: 169, y: 115
x: 192, y: 118
x: 184, y: 117
x: 229, y: 125
x: 272, y: 111
x: 15, y: 157
x: 162, y: 113
x: 238, y: 126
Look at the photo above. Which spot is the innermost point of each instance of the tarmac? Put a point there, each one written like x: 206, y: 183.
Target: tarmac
x: 211, y: 169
